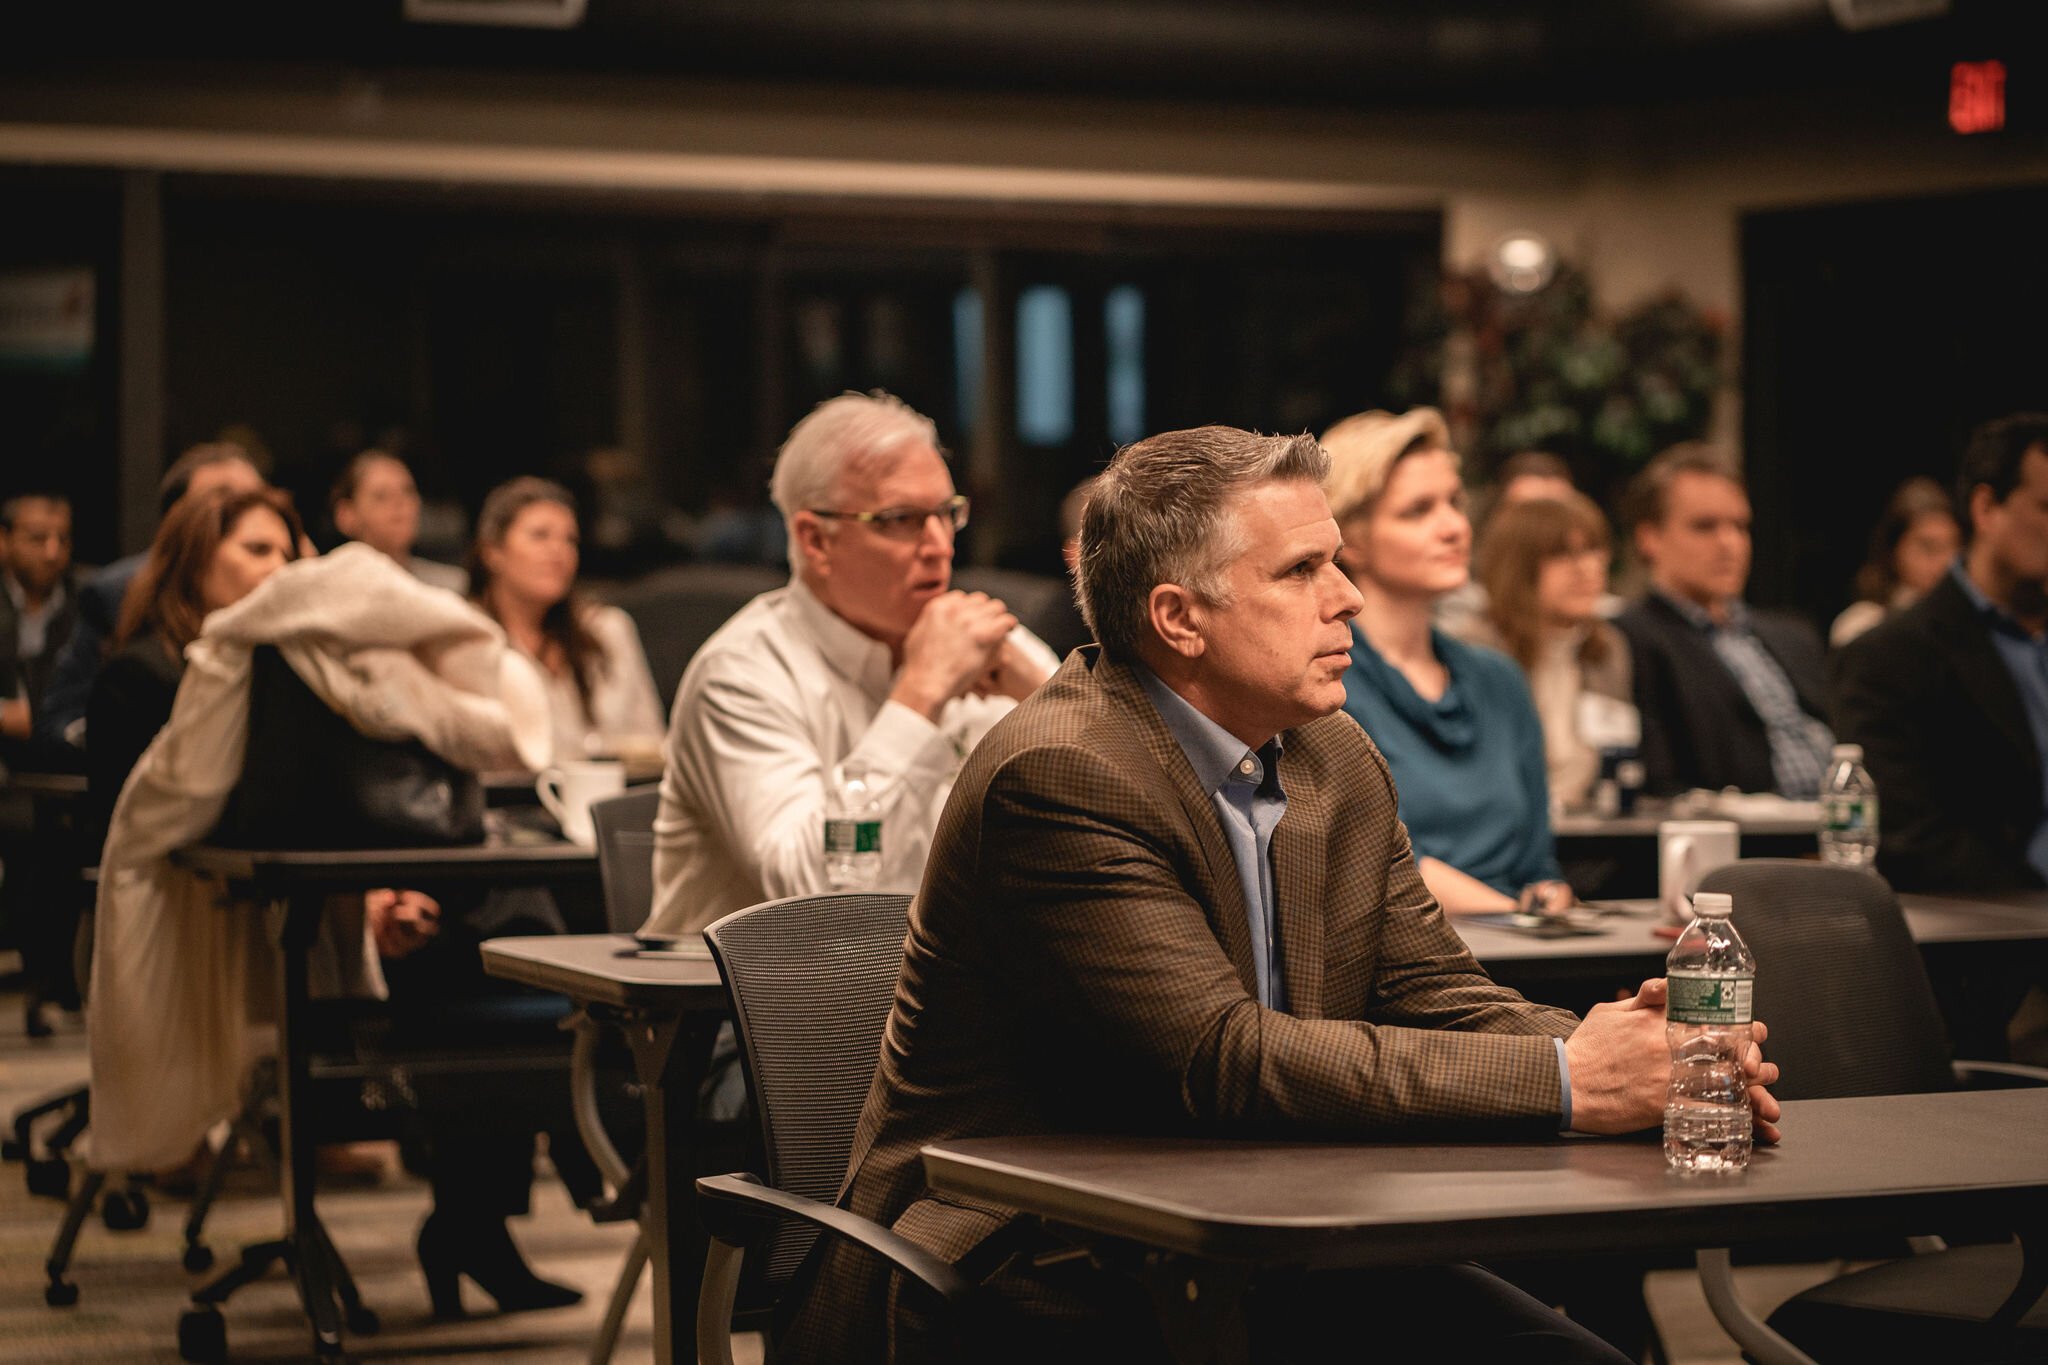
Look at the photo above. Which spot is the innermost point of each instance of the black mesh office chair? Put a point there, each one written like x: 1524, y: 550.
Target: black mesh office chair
x: 1842, y: 985
x: 625, y: 855
x: 811, y: 979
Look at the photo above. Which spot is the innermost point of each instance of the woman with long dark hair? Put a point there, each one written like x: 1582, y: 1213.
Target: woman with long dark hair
x: 210, y: 552
x: 522, y: 571
x: 1911, y: 547
x: 1544, y: 566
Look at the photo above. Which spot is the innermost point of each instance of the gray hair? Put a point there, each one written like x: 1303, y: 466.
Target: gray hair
x: 1161, y: 514
x: 854, y: 428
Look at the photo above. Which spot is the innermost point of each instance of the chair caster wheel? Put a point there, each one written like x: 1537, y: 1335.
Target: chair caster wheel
x: 125, y: 1210
x: 60, y: 1293
x: 203, y: 1336
x: 198, y: 1258
x: 51, y: 1179
x: 364, y: 1322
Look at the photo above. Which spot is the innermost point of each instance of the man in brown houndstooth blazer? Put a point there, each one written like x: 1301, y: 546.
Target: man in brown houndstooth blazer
x: 1082, y: 955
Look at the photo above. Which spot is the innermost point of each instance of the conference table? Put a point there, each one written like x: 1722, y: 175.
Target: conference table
x: 668, y: 1007
x: 44, y: 785
x: 1198, y: 1220
x: 1576, y: 969
x: 297, y: 882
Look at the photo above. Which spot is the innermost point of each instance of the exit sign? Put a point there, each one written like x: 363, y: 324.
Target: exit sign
x: 1976, y: 97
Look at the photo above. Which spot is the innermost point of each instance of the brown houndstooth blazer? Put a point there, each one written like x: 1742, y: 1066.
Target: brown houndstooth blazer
x: 1078, y: 959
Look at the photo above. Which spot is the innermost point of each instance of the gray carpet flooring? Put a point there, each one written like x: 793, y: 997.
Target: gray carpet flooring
x: 132, y: 1286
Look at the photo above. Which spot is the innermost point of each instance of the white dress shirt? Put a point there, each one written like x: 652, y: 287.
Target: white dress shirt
x: 783, y: 693
x: 624, y: 707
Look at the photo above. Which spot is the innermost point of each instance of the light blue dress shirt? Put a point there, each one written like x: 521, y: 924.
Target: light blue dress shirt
x: 1244, y: 786
x: 1801, y: 746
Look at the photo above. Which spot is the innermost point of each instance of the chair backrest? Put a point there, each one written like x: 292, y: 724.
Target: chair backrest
x: 812, y: 979
x: 1025, y: 594
x: 625, y: 855
x: 676, y: 610
x: 1839, y: 980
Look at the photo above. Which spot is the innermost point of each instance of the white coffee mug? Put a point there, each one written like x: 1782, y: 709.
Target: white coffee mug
x: 1688, y: 850
x: 567, y: 789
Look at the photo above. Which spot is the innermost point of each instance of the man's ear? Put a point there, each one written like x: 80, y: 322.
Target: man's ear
x: 1178, y: 619
x: 813, y: 542
x: 1983, y: 503
x: 1648, y: 536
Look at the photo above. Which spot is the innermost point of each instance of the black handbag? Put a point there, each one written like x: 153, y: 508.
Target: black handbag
x: 312, y: 780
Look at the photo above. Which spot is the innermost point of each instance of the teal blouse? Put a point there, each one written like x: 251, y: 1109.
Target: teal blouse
x: 1468, y: 768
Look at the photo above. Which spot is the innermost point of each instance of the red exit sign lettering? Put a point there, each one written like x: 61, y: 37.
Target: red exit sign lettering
x: 1976, y: 97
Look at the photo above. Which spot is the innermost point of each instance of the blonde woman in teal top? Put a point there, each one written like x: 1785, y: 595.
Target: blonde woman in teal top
x: 1455, y: 721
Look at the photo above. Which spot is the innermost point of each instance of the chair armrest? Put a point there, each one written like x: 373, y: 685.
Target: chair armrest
x: 583, y: 1099
x: 1999, y: 1075
x: 726, y: 1204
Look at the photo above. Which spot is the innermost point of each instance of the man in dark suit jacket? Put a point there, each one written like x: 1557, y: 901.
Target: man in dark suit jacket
x: 38, y: 602
x: 1954, y: 741
x: 1730, y: 696
x: 1170, y: 895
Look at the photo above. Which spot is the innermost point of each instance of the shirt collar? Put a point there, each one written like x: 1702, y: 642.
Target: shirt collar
x: 1697, y: 617
x: 860, y: 658
x: 1995, y: 616
x: 1216, y: 755
x: 52, y: 603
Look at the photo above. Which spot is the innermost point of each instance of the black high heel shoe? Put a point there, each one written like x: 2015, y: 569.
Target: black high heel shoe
x: 483, y: 1250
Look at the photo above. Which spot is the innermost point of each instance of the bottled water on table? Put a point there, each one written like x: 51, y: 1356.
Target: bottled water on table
x: 1848, y: 811
x: 1706, y: 1110
x: 853, y: 830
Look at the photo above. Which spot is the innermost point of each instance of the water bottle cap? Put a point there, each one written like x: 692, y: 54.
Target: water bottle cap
x: 1713, y: 905
x: 1848, y: 753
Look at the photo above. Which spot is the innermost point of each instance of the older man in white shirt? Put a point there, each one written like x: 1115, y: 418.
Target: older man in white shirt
x: 867, y: 656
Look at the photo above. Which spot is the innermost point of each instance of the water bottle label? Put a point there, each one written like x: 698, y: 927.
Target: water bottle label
x: 853, y: 836
x: 1709, y: 999
x: 1847, y: 817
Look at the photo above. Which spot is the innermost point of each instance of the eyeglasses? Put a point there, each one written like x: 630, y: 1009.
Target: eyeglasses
x: 906, y: 523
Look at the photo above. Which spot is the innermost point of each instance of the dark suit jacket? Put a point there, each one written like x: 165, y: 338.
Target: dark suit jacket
x: 32, y: 675
x: 1699, y: 729
x: 131, y: 701
x: 70, y: 683
x: 1946, y: 739
x: 1078, y: 959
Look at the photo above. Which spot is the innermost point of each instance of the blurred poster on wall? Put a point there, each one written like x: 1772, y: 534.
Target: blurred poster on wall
x: 46, y: 319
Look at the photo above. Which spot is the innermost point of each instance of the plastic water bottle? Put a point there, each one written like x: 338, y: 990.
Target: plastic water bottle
x: 1848, y: 811
x: 1712, y: 975
x: 853, y: 831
